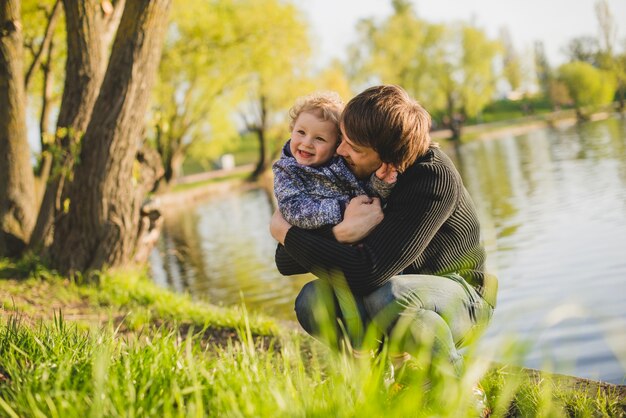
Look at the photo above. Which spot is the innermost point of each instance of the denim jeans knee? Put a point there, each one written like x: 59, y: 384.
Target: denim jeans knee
x: 304, y: 306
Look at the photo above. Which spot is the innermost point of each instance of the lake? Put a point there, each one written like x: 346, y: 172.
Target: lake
x: 552, y: 204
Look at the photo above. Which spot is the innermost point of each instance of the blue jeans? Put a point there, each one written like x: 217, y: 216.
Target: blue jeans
x: 409, y: 311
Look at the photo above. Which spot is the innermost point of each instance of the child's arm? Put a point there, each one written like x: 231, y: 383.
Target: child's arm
x: 302, y: 205
x: 383, y: 180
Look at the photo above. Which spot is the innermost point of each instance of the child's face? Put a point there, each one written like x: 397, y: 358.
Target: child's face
x: 313, y: 140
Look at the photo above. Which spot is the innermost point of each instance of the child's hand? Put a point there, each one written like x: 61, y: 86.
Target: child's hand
x: 387, y: 173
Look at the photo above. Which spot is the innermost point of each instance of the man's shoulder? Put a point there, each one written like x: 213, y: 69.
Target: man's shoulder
x: 434, y: 169
x: 434, y: 158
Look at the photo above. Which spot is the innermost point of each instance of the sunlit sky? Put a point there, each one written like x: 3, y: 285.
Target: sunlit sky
x: 554, y: 22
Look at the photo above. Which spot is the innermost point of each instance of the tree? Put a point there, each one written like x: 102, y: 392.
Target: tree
x: 202, y: 73
x: 279, y: 58
x: 463, y: 76
x: 333, y: 78
x: 511, y: 63
x: 45, y: 38
x: 542, y: 68
x: 607, y: 58
x: 588, y: 87
x: 87, y: 29
x: 479, y: 79
x: 449, y: 68
x: 101, y: 225
x: 559, y: 94
x: 17, y: 205
x: 44, y: 41
x: 619, y: 69
x: 583, y: 48
x: 402, y: 49
x: 607, y: 26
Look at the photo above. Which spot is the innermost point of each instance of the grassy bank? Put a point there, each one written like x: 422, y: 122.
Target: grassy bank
x: 117, y: 345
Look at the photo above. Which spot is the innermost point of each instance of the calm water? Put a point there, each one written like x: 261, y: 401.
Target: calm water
x: 553, y: 209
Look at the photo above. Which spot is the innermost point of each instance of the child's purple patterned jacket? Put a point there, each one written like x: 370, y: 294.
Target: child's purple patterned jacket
x: 311, y: 197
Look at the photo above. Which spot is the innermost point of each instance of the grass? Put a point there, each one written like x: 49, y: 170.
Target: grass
x: 151, y: 355
x: 128, y: 297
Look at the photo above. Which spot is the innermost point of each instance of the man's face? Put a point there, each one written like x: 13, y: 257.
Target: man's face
x: 363, y: 161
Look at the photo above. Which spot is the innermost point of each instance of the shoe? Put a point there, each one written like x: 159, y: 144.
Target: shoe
x: 389, y: 375
x: 410, y: 373
x: 480, y: 401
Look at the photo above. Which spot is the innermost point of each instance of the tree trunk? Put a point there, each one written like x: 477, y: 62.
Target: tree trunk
x: 17, y: 181
x: 453, y: 120
x: 101, y: 226
x: 151, y: 220
x: 175, y: 164
x: 261, y: 164
x: 581, y: 116
x: 84, y: 71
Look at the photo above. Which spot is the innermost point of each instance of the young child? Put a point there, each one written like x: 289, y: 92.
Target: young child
x: 312, y: 184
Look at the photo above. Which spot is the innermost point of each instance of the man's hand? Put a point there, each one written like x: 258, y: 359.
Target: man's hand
x: 362, y: 215
x: 279, y: 227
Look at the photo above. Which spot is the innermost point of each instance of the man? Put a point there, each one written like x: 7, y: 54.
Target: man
x: 417, y: 270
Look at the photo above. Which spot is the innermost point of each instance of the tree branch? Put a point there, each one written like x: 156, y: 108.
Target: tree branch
x: 50, y: 26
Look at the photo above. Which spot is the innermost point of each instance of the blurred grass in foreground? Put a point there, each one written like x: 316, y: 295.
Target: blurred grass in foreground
x: 146, y: 364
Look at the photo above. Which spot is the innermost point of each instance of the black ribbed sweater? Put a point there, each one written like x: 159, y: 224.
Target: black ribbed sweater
x: 430, y: 227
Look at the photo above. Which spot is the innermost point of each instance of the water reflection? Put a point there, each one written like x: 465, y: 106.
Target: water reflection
x: 221, y: 251
x: 553, y: 209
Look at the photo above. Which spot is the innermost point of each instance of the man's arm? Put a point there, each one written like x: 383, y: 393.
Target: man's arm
x: 415, y: 212
x: 362, y: 215
x: 285, y: 264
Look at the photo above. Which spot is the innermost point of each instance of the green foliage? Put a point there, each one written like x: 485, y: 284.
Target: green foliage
x: 449, y: 68
x: 542, y: 68
x: 201, y: 76
x: 503, y: 110
x: 219, y: 55
x: 281, y: 73
x: 478, y: 81
x: 587, y: 86
x: 511, y: 62
x: 334, y: 78
x: 403, y: 50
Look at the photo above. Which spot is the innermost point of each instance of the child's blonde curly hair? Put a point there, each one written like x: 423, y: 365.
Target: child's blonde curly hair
x: 326, y: 105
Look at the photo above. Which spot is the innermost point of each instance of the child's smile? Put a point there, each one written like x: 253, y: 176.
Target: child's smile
x: 313, y: 140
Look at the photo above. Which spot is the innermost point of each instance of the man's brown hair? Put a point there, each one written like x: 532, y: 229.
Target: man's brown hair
x: 388, y: 120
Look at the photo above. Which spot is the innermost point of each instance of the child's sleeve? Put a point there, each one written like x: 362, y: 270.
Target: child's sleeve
x: 380, y: 187
x: 302, y: 205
